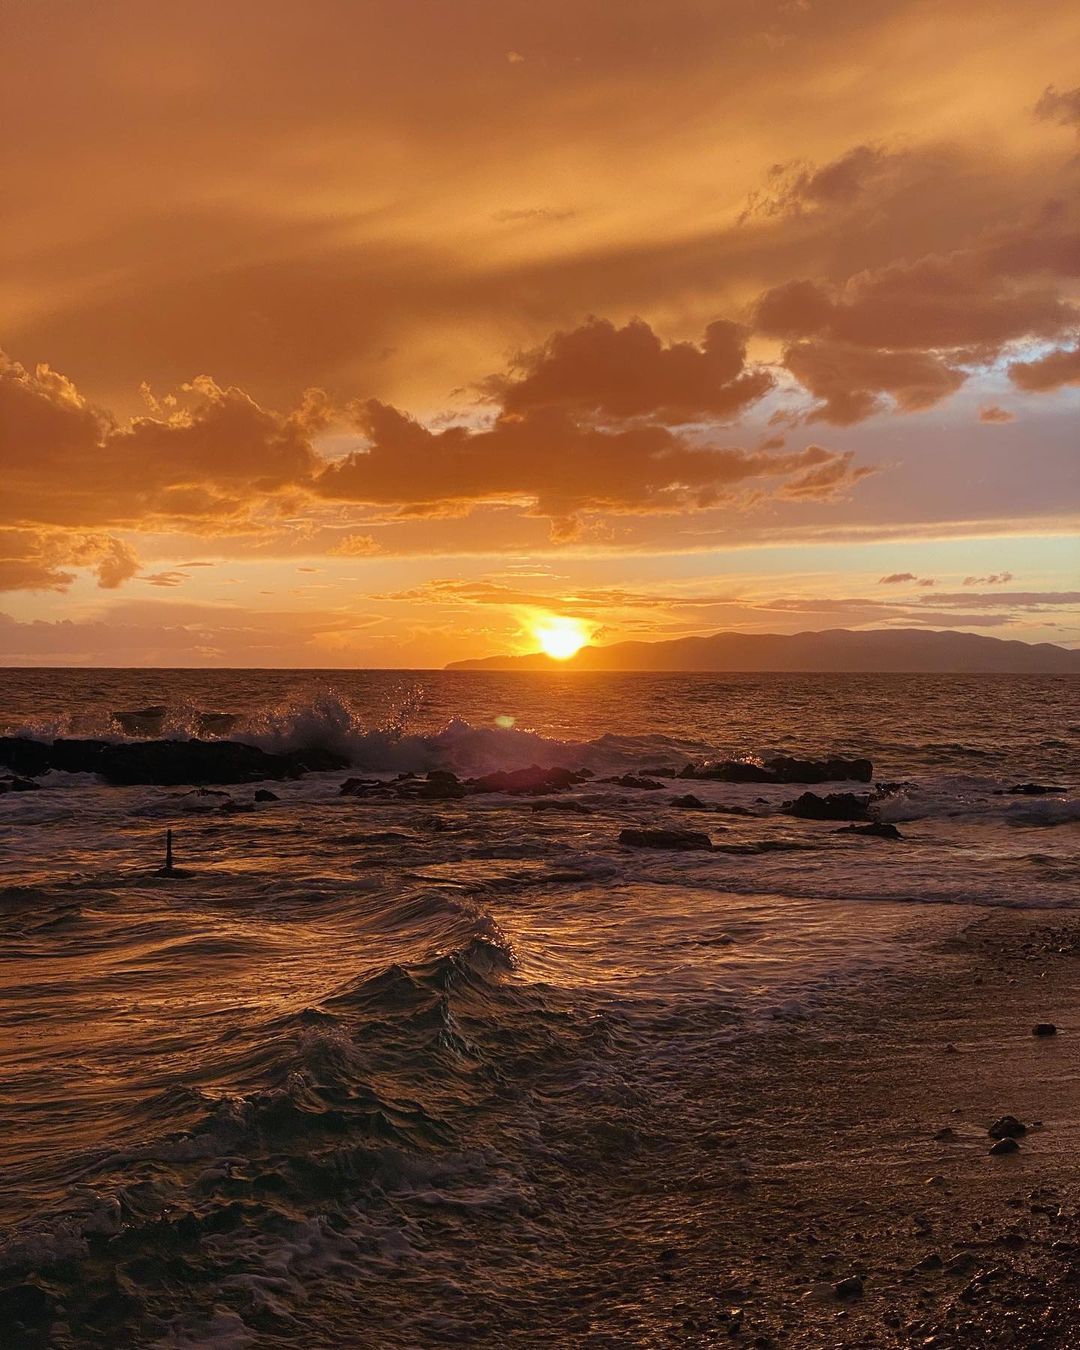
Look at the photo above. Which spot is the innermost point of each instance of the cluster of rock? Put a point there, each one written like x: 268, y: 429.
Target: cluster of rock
x: 164, y: 763
x: 442, y: 785
x: 783, y: 769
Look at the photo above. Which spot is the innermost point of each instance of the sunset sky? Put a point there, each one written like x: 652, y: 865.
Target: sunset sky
x: 363, y: 333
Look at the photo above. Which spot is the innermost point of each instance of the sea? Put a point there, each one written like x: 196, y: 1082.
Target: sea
x: 380, y: 1072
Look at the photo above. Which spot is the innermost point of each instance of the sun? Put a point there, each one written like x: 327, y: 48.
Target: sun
x: 560, y: 638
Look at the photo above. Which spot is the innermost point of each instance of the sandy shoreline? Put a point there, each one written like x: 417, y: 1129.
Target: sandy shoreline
x: 800, y: 1159
x: 830, y: 1167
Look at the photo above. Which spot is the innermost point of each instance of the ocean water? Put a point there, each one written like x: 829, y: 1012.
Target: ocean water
x: 377, y: 1072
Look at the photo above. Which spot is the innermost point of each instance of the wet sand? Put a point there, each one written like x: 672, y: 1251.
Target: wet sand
x: 829, y: 1165
x: 823, y: 1163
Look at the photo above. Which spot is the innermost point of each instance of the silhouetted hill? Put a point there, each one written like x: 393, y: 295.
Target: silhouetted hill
x: 900, y: 650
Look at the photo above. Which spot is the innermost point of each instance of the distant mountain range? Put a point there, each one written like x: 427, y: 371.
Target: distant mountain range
x: 899, y: 650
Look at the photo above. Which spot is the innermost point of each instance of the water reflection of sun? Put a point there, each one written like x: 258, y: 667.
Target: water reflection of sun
x: 560, y: 638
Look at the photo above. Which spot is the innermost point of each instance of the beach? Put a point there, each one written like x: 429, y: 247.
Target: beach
x: 630, y: 1023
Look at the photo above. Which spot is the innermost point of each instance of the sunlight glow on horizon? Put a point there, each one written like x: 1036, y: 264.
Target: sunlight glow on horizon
x: 560, y: 637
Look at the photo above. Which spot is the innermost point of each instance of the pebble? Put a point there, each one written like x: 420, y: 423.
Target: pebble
x: 1007, y: 1127
x: 851, y: 1287
x: 1003, y: 1146
x: 1044, y: 1029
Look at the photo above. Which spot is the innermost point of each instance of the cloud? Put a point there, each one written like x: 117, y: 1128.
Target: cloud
x: 828, y: 481
x: 557, y: 467
x: 796, y: 187
x: 355, y: 546
x: 913, y: 330
x: 1062, y: 107
x: 41, y: 560
x: 164, y: 579
x: 599, y: 372
x: 994, y: 414
x: 851, y: 382
x: 1052, y: 371
x: 906, y: 578
x: 994, y: 579
x: 68, y: 463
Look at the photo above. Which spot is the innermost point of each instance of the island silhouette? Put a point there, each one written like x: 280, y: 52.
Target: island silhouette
x: 835, y: 650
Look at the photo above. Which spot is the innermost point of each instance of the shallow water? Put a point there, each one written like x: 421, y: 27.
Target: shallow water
x: 349, y: 1070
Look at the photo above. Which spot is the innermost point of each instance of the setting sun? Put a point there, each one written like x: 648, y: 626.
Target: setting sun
x: 560, y: 638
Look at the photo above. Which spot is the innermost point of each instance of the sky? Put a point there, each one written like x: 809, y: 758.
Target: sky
x: 365, y: 333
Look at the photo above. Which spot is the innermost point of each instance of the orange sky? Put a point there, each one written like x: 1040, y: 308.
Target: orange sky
x: 353, y: 333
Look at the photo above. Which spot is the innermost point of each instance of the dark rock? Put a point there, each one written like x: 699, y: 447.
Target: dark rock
x: 672, y: 839
x: 440, y: 785
x: 1004, y: 1146
x: 166, y: 763
x: 1044, y: 1029
x: 1007, y: 1127
x: 688, y: 802
x: 878, y: 829
x: 18, y: 785
x: 629, y: 780
x: 947, y: 1135
x: 834, y: 806
x: 1035, y: 790
x: 558, y: 804
x: 931, y: 1262
x: 533, y: 781
x: 232, y: 808
x: 361, y: 787
x: 25, y: 757
x: 265, y: 795
x: 739, y: 810
x: 783, y: 769
x: 851, y: 1287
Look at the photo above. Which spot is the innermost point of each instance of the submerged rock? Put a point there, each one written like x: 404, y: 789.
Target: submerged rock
x: 531, y: 781
x: 630, y: 780
x: 18, y: 785
x: 783, y: 769
x: 878, y: 829
x: 834, y: 806
x: 361, y: 787
x: 1036, y: 790
x: 672, y: 839
x: 688, y: 802
x: 265, y: 795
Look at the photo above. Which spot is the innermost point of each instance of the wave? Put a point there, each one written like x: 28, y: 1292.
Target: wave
x: 332, y: 722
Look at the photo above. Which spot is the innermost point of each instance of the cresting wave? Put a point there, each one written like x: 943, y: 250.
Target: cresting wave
x: 332, y: 722
x: 359, y: 1096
